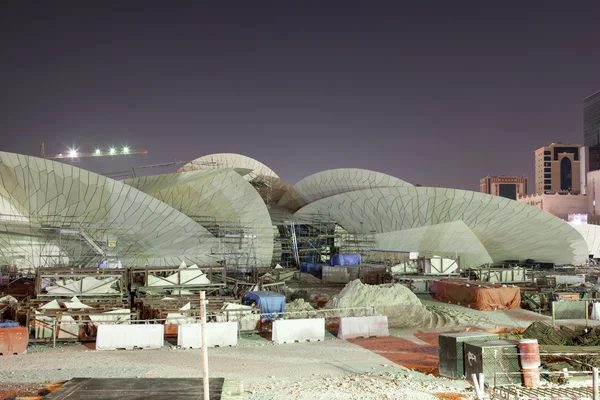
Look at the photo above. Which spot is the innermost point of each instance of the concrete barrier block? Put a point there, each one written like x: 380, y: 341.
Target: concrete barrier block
x: 129, y: 337
x: 189, y: 336
x: 301, y: 330
x: 366, y: 327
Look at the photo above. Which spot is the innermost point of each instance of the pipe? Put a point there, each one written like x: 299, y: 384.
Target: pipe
x: 205, y: 382
x: 595, y: 384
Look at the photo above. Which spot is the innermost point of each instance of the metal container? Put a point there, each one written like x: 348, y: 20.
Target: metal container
x: 497, y: 360
x: 13, y: 340
x: 451, y: 350
x: 335, y: 274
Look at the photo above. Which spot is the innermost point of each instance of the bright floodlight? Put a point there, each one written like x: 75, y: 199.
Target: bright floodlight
x: 72, y: 153
x: 98, y: 152
x: 112, y: 150
x: 125, y: 150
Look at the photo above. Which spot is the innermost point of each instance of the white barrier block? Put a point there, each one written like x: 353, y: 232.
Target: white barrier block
x: 189, y: 336
x: 291, y: 330
x: 128, y: 337
x: 366, y: 327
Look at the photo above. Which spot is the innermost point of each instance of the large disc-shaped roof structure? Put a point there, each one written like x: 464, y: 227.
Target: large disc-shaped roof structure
x: 264, y: 179
x: 507, y: 229
x: 335, y: 181
x: 220, y: 200
x: 59, y: 204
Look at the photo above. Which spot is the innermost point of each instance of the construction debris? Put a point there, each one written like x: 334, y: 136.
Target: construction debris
x: 563, y: 336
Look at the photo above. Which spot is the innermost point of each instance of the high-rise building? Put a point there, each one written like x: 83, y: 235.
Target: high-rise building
x: 510, y: 187
x: 591, y: 120
x: 557, y: 169
x: 590, y: 154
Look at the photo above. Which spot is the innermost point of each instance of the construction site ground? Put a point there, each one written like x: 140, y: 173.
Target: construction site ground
x: 402, y: 366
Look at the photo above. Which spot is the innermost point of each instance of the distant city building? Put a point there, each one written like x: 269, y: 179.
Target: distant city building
x: 560, y: 205
x: 558, y: 169
x: 511, y: 187
x: 591, y: 120
x: 593, y: 197
x: 590, y: 154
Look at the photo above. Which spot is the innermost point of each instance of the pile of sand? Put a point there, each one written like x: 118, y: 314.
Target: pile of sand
x: 302, y: 307
x: 401, y: 306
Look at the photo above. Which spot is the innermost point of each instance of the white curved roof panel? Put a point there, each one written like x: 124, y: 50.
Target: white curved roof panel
x: 449, y: 239
x: 509, y: 230
x: 264, y: 179
x: 591, y: 235
x: 335, y: 181
x: 55, y: 199
x: 229, y: 160
x: 215, y: 199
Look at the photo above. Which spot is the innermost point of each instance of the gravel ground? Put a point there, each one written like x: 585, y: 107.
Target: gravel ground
x: 333, y: 369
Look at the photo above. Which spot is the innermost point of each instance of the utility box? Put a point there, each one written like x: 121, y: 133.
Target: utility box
x: 13, y: 340
x: 450, y: 351
x: 497, y: 360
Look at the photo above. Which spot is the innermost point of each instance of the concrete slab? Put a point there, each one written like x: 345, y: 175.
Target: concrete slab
x: 145, y: 389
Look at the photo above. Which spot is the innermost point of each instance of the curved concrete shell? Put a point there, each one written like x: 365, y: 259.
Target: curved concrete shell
x: 220, y: 200
x: 264, y: 179
x: 591, y: 235
x: 91, y: 217
x: 335, y: 181
x: 450, y: 240
x: 507, y: 229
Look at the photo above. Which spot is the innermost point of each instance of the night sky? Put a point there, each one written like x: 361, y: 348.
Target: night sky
x: 439, y: 93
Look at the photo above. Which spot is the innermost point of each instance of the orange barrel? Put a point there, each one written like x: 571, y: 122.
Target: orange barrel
x: 531, y: 378
x: 530, y: 353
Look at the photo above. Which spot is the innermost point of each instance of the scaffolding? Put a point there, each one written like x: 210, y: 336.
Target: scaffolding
x: 237, y: 242
x: 315, y: 240
x: 56, y: 240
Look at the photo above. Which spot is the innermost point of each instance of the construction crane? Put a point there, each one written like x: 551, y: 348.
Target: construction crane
x: 74, y: 153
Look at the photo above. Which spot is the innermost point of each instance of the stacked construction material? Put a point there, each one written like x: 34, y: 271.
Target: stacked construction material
x: 548, y: 335
x: 478, y: 295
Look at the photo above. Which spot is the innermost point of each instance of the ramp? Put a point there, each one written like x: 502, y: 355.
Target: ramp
x: 145, y: 389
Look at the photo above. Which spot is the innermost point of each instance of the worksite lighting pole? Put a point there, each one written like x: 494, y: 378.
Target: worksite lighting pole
x: 204, y: 346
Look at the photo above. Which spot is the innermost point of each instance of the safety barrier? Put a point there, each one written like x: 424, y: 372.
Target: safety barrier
x: 189, y: 336
x: 298, y: 330
x: 129, y: 337
x: 366, y: 327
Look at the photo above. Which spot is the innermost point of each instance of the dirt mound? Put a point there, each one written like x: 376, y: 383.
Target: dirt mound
x: 301, y: 307
x: 402, y: 307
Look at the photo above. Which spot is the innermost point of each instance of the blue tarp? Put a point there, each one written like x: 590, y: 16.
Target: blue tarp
x: 345, y: 259
x: 311, y: 258
x: 269, y: 302
x: 313, y: 269
x: 9, y: 324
